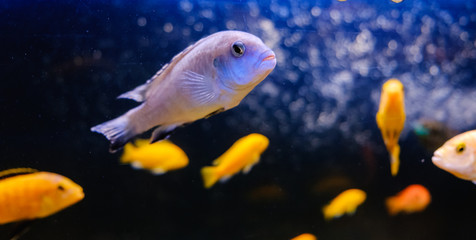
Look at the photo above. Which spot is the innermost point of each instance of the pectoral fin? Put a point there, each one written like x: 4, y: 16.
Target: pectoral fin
x: 225, y: 178
x: 162, y: 132
x: 198, y: 87
x: 215, y: 112
x: 250, y: 165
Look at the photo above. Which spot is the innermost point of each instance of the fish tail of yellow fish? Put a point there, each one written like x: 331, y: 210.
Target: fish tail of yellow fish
x: 328, y: 212
x: 128, y: 152
x: 210, y: 176
x: 395, y: 160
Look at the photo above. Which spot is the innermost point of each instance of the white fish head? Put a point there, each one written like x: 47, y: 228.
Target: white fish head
x: 242, y: 60
x: 457, y: 156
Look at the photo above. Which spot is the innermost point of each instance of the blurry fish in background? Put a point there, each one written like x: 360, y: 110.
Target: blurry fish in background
x: 391, y: 118
x: 158, y: 157
x: 397, y: 1
x: 432, y: 134
x: 328, y: 184
x: 209, y: 77
x: 305, y: 236
x: 458, y: 156
x: 35, y: 194
x: 345, y: 203
x: 241, y: 156
x: 266, y: 193
x: 414, y: 198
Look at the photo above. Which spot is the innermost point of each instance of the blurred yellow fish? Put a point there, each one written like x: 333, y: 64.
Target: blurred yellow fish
x: 242, y: 155
x: 305, y: 236
x: 35, y: 195
x: 458, y: 156
x: 397, y: 1
x: 391, y: 118
x: 345, y: 203
x: 158, y: 157
x: 413, y: 198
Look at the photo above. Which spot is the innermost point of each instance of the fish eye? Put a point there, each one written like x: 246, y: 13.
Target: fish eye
x: 238, y: 49
x: 60, y: 187
x: 460, y: 148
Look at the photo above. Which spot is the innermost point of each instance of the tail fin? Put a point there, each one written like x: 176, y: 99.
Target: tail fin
x: 395, y: 160
x: 127, y: 154
x: 209, y: 175
x: 117, y: 131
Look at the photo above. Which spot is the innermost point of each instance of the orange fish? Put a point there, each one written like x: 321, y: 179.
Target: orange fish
x: 305, y: 236
x: 35, y: 194
x: 391, y: 118
x: 414, y: 198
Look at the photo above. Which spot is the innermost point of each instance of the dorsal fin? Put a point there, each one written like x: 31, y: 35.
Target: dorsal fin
x: 158, y: 77
x: 16, y: 171
x: 140, y: 93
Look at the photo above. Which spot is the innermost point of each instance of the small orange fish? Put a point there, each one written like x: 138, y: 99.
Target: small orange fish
x: 35, y: 195
x: 414, y: 198
x: 391, y: 118
x: 305, y: 236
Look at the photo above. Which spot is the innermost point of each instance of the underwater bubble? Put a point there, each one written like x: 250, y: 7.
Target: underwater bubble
x: 141, y: 22
x: 168, y: 27
x: 186, y: 31
x: 464, y: 36
x: 198, y: 27
x: 463, y: 21
x: 254, y: 9
x: 207, y: 13
x: 316, y: 11
x: 186, y: 6
x: 392, y: 44
x: 434, y: 70
x: 430, y: 49
x: 230, y: 24
x: 336, y: 16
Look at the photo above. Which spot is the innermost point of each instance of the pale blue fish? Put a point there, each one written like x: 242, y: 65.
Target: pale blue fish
x: 209, y: 77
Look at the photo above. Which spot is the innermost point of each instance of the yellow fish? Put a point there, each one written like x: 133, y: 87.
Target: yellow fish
x: 305, y: 236
x: 391, y: 118
x: 35, y: 194
x: 345, y: 203
x: 242, y: 155
x: 158, y: 157
x: 458, y: 156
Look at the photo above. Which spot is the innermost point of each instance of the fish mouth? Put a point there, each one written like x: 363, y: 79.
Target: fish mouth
x: 267, y: 55
x: 436, y: 159
x: 270, y: 57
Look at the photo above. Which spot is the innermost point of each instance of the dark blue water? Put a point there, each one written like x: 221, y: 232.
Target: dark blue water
x: 63, y: 63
